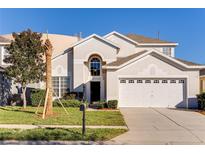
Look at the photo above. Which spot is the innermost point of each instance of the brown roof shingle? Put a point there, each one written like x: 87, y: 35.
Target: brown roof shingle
x: 123, y: 60
x: 188, y: 62
x: 4, y: 40
x: 143, y: 39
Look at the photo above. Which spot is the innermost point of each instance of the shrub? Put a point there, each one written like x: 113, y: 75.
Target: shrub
x: 15, y: 99
x: 67, y: 103
x: 97, y: 105
x: 70, y: 96
x: 112, y: 104
x: 201, y: 101
x: 37, y: 95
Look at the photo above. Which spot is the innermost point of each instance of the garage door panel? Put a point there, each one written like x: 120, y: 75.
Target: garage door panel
x: 152, y: 94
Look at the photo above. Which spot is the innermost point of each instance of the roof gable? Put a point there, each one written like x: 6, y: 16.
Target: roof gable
x: 123, y: 60
x: 132, y: 58
x: 141, y: 40
x: 98, y: 37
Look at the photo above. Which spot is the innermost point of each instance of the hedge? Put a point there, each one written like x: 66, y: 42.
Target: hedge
x: 112, y: 104
x: 201, y: 101
x: 68, y: 103
x: 36, y: 96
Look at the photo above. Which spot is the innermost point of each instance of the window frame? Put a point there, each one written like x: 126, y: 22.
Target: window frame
x: 148, y: 81
x: 156, y: 81
x: 100, y: 67
x: 60, y: 88
x: 167, y: 51
x: 139, y: 81
x: 3, y: 55
x: 122, y: 81
x: 181, y: 81
x: 173, y: 81
x: 131, y: 81
x: 164, y: 81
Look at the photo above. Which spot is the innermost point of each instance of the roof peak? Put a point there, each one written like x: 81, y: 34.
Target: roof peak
x: 141, y: 39
x: 145, y: 39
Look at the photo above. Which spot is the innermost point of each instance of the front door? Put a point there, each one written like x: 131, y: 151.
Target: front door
x: 95, y: 91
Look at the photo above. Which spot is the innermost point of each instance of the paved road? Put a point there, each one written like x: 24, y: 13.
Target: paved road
x: 161, y: 126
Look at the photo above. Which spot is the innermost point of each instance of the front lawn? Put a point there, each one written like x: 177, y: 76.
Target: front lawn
x: 46, y: 134
x: 17, y: 115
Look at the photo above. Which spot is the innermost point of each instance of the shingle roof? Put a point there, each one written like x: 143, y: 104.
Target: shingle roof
x: 123, y: 60
x: 188, y: 62
x: 4, y: 40
x: 59, y: 42
x: 143, y: 39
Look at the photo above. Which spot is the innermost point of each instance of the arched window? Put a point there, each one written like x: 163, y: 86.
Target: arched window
x: 95, y: 66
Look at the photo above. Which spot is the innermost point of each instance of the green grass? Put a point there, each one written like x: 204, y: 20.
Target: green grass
x: 17, y: 115
x: 46, y: 134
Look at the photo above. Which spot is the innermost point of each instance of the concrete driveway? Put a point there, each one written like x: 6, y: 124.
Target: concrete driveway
x: 162, y: 126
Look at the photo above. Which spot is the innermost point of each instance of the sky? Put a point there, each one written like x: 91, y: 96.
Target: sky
x: 185, y: 26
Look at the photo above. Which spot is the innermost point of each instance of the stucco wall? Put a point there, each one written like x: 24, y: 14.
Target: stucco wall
x: 127, y: 48
x: 60, y: 65
x: 81, y: 54
x: 151, y: 66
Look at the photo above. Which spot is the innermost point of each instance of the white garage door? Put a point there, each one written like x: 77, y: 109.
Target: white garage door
x: 152, y: 93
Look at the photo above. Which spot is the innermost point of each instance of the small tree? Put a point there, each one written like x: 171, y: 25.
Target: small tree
x: 25, y: 57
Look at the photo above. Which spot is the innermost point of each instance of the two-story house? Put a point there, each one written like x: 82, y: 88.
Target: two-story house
x: 137, y: 71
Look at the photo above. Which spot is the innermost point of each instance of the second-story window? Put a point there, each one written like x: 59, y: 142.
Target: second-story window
x: 95, y: 66
x: 167, y: 51
x: 4, y: 54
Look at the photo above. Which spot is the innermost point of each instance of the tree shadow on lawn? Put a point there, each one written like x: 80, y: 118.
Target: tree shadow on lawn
x: 17, y: 110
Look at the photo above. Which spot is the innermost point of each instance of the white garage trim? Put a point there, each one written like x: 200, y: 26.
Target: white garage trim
x: 185, y: 88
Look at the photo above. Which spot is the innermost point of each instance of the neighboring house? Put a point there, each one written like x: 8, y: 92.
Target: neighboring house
x: 202, y: 80
x: 137, y: 71
x: 5, y: 85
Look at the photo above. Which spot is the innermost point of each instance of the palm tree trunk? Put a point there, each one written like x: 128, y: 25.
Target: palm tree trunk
x: 49, y: 107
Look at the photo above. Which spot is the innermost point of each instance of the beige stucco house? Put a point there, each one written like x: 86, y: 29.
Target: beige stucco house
x: 137, y: 71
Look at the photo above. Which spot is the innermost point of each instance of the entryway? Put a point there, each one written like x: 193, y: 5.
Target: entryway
x: 95, y: 91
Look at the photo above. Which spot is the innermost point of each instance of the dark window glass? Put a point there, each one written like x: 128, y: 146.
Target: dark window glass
x: 131, y: 81
x: 147, y: 81
x: 95, y: 67
x: 156, y: 81
x: 181, y: 81
x: 122, y: 81
x: 139, y: 81
x: 173, y: 81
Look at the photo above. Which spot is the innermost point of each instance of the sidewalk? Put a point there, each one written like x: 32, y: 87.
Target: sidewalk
x: 14, y: 142
x: 21, y: 126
